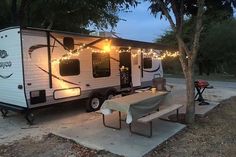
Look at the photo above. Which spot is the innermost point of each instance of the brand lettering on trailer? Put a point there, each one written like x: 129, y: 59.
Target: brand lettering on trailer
x: 5, y: 64
x: 3, y: 54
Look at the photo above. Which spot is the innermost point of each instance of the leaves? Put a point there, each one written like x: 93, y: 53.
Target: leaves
x: 69, y: 15
x: 219, y: 46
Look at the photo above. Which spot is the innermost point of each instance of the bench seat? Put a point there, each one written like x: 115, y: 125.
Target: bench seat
x: 148, y: 118
x: 160, y: 113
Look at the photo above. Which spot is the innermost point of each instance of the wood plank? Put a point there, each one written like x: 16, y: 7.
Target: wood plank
x: 160, y: 113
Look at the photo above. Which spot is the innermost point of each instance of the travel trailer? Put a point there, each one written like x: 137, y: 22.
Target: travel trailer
x: 42, y: 67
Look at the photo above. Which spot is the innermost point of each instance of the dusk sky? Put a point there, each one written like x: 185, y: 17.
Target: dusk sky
x: 141, y: 25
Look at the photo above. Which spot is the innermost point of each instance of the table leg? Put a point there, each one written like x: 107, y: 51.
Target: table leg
x: 108, y: 126
x: 177, y: 115
x: 141, y: 134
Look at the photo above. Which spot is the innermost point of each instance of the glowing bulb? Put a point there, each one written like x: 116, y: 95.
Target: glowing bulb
x: 107, y: 46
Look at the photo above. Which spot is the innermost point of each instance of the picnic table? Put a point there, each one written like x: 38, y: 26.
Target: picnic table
x: 135, y: 105
x: 140, y: 107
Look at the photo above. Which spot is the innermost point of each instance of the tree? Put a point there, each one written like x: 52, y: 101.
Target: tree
x: 220, y: 11
x: 219, y: 46
x: 67, y: 15
x: 188, y: 52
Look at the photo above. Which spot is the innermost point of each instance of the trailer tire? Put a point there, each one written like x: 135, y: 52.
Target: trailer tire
x: 30, y: 118
x: 4, y: 112
x: 94, y: 103
x: 110, y: 94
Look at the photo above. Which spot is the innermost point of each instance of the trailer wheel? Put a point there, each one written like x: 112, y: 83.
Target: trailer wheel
x: 94, y: 103
x: 30, y: 118
x: 4, y: 112
x: 110, y: 95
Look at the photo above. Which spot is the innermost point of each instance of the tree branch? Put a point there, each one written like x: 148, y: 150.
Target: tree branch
x: 167, y: 14
x: 176, y: 11
x: 178, y: 27
x: 198, y: 29
x: 181, y: 15
x: 183, y: 44
x: 183, y: 61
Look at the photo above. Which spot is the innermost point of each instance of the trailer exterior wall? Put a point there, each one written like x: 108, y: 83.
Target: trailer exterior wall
x: 37, y: 75
x: 11, y: 68
x: 148, y: 74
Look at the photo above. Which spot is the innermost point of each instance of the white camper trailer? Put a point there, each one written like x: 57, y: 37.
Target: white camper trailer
x: 41, y: 67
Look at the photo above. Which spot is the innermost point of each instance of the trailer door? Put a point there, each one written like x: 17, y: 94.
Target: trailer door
x: 136, y: 72
x: 125, y: 69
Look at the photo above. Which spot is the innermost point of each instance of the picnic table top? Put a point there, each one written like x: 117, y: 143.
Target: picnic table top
x: 135, y: 105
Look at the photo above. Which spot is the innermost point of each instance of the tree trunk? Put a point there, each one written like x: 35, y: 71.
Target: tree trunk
x: 187, y: 55
x: 200, y: 68
x: 188, y: 69
x: 190, y: 108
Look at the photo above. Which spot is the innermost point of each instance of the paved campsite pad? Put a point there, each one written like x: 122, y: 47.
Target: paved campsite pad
x: 213, y: 135
x: 94, y: 135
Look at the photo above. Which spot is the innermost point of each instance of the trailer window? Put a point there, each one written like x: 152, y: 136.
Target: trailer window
x: 101, y: 65
x: 147, y: 63
x: 69, y: 67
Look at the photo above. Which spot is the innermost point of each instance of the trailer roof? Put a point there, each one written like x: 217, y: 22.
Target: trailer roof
x: 121, y: 42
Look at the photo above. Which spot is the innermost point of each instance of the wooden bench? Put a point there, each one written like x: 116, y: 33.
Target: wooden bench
x: 150, y: 117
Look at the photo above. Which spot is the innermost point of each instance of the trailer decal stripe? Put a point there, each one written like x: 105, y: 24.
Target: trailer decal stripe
x: 151, y: 71
x: 49, y: 59
x: 56, y: 77
x: 38, y: 46
x: 114, y: 59
x: 6, y: 77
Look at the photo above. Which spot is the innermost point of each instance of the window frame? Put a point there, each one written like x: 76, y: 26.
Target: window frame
x: 147, y: 67
x: 96, y: 53
x: 76, y: 74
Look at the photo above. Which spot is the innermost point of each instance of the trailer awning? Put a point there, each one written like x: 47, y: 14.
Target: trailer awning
x: 119, y: 42
x: 140, y: 44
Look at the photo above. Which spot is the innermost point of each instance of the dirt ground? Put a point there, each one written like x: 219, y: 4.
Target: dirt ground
x: 49, y: 146
x: 211, y: 136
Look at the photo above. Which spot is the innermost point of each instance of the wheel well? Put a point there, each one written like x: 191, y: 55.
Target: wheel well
x: 96, y: 93
x: 111, y: 90
x: 102, y: 93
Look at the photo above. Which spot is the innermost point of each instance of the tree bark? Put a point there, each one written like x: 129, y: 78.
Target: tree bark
x: 187, y: 55
x: 188, y: 70
x: 190, y: 108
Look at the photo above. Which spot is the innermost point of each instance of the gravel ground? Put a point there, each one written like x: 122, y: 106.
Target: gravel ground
x: 211, y: 136
x: 49, y: 146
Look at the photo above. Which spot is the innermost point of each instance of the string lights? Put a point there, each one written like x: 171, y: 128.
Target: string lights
x: 147, y: 53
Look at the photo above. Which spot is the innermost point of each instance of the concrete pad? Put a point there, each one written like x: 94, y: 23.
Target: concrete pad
x: 178, y: 96
x: 14, y: 126
x: 94, y: 135
x: 218, y: 94
x: 202, y: 110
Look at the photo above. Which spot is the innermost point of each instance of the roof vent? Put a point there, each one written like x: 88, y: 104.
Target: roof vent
x: 102, y: 34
